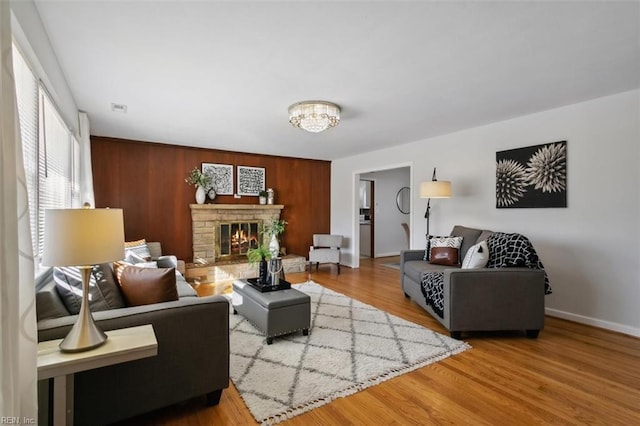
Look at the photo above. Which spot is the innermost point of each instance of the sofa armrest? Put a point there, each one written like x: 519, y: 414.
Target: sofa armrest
x: 488, y: 298
x: 407, y: 255
x: 170, y: 261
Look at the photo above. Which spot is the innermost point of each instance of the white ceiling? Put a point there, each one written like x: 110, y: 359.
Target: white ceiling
x: 222, y: 74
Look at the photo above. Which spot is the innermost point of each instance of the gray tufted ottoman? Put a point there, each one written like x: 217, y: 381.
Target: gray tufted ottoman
x: 276, y: 312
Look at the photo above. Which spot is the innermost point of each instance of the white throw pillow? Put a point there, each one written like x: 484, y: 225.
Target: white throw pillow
x: 477, y: 256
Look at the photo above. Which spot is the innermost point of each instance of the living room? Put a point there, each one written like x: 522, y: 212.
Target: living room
x: 577, y: 81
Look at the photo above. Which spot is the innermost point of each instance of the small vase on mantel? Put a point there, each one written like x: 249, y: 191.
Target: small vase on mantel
x: 200, y: 195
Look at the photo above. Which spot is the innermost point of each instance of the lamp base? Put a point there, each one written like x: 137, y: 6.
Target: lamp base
x: 83, y: 337
x: 85, y: 334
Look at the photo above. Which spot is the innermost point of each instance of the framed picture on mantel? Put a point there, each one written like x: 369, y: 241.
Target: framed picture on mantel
x: 251, y: 180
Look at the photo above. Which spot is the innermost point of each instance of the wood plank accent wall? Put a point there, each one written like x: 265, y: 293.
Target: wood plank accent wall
x: 146, y: 180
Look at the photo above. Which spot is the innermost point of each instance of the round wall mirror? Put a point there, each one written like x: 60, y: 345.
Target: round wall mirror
x: 403, y: 199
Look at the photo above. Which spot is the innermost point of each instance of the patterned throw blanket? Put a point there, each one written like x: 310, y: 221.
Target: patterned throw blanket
x: 505, y: 251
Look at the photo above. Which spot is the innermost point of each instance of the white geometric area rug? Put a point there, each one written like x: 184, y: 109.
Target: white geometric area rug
x: 351, y: 346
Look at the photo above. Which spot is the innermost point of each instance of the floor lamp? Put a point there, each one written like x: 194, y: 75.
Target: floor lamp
x: 83, y: 238
x: 434, y: 188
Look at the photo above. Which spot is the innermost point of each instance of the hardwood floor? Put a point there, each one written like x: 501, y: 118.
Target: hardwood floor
x: 571, y: 374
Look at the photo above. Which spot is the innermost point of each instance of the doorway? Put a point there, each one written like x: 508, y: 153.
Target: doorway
x: 367, y: 218
x: 389, y: 212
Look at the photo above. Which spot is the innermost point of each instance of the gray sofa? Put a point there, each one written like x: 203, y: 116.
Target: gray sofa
x: 192, y: 359
x: 484, y: 299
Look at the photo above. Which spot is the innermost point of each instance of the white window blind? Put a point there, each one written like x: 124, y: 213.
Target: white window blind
x: 50, y: 152
x: 55, y: 166
x: 28, y: 101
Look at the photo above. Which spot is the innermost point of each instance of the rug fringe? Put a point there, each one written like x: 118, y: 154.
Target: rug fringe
x: 289, y: 414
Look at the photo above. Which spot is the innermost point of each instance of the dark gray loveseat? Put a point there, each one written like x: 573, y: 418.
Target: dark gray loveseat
x: 484, y: 299
x: 192, y: 360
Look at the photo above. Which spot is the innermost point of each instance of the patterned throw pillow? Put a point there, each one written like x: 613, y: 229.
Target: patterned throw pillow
x: 477, y: 256
x: 138, y: 248
x: 449, y: 241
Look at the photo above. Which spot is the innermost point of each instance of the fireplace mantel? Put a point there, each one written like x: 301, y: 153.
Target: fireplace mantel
x: 208, y: 207
x: 204, y: 218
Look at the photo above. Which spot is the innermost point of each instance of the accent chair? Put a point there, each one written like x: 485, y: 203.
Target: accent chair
x: 325, y: 249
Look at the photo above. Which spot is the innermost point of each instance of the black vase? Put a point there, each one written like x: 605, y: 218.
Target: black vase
x: 263, y: 274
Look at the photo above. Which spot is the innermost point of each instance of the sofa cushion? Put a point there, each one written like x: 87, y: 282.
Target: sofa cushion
x: 469, y: 237
x: 183, y: 287
x: 477, y: 256
x: 104, y: 293
x: 48, y: 302
x: 145, y: 286
x: 485, y: 235
x: 415, y: 268
x: 444, y: 256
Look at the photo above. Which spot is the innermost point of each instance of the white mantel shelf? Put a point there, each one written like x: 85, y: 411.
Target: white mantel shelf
x: 214, y: 206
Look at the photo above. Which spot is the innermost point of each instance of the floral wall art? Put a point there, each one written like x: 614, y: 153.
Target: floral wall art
x: 534, y: 176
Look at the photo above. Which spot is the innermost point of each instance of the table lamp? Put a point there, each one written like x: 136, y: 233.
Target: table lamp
x: 434, y: 189
x: 83, y: 238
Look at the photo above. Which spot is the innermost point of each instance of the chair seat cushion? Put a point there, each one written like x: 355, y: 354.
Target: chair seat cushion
x: 324, y: 255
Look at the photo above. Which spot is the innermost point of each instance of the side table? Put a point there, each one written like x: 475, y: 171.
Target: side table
x: 126, y: 344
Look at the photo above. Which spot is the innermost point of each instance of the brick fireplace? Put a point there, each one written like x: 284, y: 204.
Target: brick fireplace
x: 230, y: 225
x: 219, y: 228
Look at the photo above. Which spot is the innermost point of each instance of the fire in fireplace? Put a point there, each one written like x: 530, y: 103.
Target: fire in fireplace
x: 236, y: 238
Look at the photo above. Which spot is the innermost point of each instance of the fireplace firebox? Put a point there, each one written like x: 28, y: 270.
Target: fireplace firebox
x: 235, y: 239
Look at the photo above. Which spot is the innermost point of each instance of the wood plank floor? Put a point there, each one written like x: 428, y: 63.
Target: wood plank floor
x: 571, y: 374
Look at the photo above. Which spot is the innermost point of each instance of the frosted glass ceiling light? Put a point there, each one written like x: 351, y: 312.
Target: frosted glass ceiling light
x: 314, y: 116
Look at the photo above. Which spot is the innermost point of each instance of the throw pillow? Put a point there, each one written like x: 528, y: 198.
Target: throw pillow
x: 139, y: 248
x: 477, y: 256
x: 444, y: 256
x: 104, y: 293
x: 145, y: 286
x: 427, y: 250
x: 450, y: 241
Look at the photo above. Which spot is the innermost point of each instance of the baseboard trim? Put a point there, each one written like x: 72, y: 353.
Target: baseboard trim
x: 395, y: 253
x: 607, y: 325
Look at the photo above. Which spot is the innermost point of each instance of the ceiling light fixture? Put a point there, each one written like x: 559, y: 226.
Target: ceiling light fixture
x: 314, y: 116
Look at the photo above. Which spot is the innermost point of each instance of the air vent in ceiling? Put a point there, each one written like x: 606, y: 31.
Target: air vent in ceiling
x: 119, y: 108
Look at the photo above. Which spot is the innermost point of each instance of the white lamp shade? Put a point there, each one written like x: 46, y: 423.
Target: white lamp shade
x: 435, y: 189
x: 82, y: 237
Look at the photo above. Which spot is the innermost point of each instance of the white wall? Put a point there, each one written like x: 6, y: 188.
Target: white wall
x: 589, y: 249
x: 389, y: 236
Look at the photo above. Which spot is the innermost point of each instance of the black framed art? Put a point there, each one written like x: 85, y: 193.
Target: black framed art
x: 533, y: 176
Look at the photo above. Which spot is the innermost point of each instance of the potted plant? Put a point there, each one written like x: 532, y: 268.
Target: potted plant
x: 201, y: 181
x: 271, y: 231
x: 260, y: 255
x: 262, y: 197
